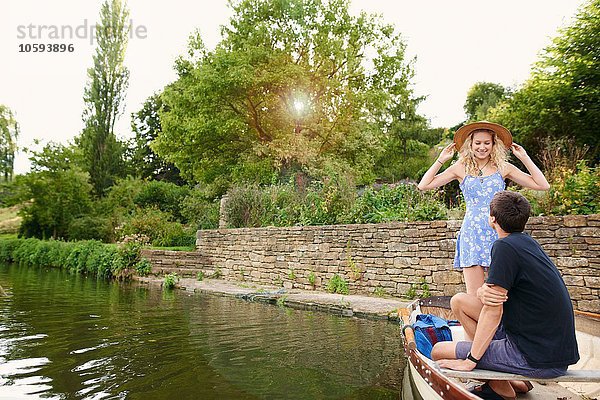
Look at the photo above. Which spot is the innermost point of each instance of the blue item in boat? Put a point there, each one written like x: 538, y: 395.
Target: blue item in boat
x: 430, y: 329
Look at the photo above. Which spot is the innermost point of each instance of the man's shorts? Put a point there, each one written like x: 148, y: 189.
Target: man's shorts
x: 504, y: 356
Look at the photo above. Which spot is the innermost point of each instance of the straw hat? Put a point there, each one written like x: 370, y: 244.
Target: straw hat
x: 464, y: 131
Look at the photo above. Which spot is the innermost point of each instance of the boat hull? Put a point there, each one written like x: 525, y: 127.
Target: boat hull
x: 428, y: 380
x: 432, y: 384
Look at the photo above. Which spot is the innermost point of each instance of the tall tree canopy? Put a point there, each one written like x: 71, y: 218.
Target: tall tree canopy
x: 293, y: 85
x: 9, y: 132
x: 56, y: 192
x: 145, y: 163
x: 482, y: 97
x: 103, y: 96
x: 562, y: 97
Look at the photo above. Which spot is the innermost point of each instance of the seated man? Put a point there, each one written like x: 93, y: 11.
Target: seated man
x: 525, y: 291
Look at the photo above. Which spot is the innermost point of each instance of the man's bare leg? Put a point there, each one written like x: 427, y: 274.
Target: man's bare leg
x: 444, y: 351
x: 503, y: 388
x: 467, y: 308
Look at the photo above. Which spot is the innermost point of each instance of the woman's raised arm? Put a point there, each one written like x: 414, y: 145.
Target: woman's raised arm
x: 535, y: 179
x: 430, y: 180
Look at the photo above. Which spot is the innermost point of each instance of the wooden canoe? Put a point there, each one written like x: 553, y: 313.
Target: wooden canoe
x: 433, y: 382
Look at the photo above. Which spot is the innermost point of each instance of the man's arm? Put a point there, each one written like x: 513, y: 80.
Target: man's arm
x: 489, y: 319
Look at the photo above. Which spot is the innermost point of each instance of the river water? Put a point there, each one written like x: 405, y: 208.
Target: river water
x: 67, y: 336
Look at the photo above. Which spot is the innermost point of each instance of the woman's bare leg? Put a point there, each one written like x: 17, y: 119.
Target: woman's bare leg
x: 474, y: 278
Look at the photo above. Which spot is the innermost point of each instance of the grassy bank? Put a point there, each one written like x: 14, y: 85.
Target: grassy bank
x: 88, y: 257
x: 10, y: 220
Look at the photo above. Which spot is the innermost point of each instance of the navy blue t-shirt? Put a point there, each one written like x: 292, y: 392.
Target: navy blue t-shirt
x: 538, y: 315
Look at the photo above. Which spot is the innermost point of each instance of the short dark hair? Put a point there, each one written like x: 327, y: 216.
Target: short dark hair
x: 511, y: 210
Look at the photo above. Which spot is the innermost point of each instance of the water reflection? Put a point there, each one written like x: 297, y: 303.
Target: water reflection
x: 68, y: 336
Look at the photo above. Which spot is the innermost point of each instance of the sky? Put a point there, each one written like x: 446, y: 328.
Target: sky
x: 456, y: 44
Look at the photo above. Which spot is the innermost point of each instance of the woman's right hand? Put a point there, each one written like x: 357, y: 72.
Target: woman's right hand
x: 447, y: 153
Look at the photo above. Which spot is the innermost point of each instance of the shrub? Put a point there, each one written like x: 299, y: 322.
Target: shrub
x: 57, y: 197
x: 175, y: 235
x: 572, y: 191
x: 577, y: 191
x: 321, y: 202
x: 399, y: 203
x: 90, y: 228
x: 331, y: 201
x: 165, y: 196
x: 7, y: 249
x: 107, y: 260
x: 327, y: 202
x: 408, y: 160
x: 245, y: 207
x: 158, y: 227
x: 77, y: 260
x: 23, y: 252
x: 282, y: 205
x: 143, y: 267
x: 130, y: 253
x: 90, y: 256
x: 58, y: 253
x: 200, y: 211
x: 119, y: 201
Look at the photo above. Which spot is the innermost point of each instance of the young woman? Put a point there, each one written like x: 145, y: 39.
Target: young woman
x: 481, y: 170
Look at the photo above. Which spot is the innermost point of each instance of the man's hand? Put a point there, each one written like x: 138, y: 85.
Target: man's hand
x: 490, y: 296
x: 457, y: 365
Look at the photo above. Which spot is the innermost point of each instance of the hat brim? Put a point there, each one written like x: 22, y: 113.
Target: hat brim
x: 464, y: 131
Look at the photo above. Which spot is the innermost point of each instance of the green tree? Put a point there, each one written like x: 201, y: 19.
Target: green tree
x: 482, y: 97
x: 404, y: 152
x: 57, y: 191
x: 301, y: 84
x: 145, y: 163
x: 9, y: 133
x: 103, y: 97
x: 562, y: 97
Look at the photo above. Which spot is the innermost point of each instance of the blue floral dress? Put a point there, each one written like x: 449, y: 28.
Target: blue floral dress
x: 475, y: 238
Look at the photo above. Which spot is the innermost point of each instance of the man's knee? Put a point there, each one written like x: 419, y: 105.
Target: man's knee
x: 436, y: 352
x: 443, y: 350
x: 466, y: 304
x: 457, y: 302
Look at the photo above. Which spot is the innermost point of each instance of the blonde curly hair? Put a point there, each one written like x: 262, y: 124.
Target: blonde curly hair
x: 498, y: 155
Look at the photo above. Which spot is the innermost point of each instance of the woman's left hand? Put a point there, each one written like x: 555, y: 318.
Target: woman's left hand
x: 518, y: 151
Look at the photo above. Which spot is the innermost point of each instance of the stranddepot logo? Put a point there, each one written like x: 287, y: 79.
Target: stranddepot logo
x: 86, y: 31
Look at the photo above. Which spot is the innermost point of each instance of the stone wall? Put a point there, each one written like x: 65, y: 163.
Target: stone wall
x: 393, y: 258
